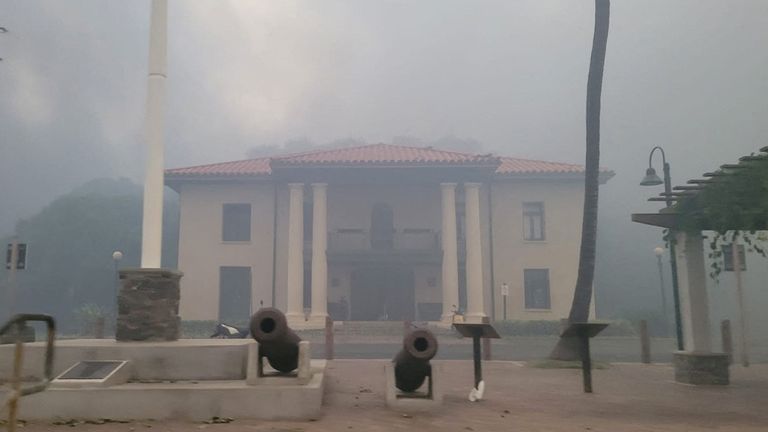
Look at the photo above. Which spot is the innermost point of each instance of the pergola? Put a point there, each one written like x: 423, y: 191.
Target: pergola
x: 732, y: 198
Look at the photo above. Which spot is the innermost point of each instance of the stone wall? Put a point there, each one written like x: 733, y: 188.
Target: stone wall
x: 148, y: 305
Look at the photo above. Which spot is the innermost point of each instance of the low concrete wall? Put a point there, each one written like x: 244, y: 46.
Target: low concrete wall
x: 186, y: 359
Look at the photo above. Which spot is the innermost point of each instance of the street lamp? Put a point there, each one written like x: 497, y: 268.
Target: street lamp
x: 651, y: 179
x: 116, y: 257
x: 659, y: 251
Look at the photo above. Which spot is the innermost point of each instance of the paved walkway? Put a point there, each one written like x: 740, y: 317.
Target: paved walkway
x: 628, y: 397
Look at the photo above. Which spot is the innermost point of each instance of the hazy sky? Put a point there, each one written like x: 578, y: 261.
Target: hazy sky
x: 687, y: 75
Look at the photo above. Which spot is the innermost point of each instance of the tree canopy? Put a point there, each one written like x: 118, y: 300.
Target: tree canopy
x: 70, y: 244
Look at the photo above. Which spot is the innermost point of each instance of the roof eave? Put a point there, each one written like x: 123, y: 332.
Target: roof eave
x: 541, y: 175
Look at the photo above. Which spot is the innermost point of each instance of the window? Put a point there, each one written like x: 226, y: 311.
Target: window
x: 236, y: 222
x: 728, y: 257
x: 533, y: 221
x: 536, y: 288
x: 234, y: 294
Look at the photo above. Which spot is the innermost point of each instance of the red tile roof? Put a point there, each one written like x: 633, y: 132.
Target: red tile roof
x: 376, y: 155
x: 385, y: 154
x: 249, y: 167
x: 525, y: 166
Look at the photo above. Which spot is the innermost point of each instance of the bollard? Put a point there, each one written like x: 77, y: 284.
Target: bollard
x: 329, y: 338
x: 645, y: 343
x: 725, y: 332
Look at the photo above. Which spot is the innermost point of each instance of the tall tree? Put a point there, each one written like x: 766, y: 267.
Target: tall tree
x: 582, y: 296
x: 70, y: 244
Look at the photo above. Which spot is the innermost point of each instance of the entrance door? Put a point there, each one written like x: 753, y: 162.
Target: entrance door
x: 383, y: 294
x: 382, y: 227
x: 234, y: 294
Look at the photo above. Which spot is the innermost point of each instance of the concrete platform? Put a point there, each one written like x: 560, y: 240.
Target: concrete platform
x: 186, y: 400
x: 180, y: 380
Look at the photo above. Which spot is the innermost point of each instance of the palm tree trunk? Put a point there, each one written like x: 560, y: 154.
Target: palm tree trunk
x: 566, y: 348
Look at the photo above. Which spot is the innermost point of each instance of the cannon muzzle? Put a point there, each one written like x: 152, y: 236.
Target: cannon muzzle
x: 277, y: 342
x: 412, y: 362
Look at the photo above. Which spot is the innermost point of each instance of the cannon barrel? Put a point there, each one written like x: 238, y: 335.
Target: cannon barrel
x: 412, y: 362
x: 277, y: 342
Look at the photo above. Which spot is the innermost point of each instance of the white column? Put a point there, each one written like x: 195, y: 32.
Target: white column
x: 295, y: 277
x: 319, y: 246
x: 692, y: 284
x: 450, y: 252
x: 474, y: 262
x: 152, y: 221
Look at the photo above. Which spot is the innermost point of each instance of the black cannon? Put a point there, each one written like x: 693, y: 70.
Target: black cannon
x: 277, y: 342
x: 412, y: 362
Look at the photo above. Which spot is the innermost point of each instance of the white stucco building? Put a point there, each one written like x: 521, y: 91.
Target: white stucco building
x: 379, y: 232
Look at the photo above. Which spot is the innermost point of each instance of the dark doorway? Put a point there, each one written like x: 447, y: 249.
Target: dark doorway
x: 383, y: 294
x: 382, y: 227
x: 234, y: 294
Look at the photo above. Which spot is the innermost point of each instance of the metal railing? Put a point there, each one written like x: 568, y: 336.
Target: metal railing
x: 17, y: 324
x: 362, y: 240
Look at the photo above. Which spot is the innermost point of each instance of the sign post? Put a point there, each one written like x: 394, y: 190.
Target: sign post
x: 504, y: 294
x: 15, y: 259
x: 477, y: 332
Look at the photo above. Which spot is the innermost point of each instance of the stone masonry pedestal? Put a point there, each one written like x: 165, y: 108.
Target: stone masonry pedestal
x: 701, y: 368
x: 148, y: 305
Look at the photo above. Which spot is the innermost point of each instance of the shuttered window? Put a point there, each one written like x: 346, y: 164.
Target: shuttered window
x: 536, y: 288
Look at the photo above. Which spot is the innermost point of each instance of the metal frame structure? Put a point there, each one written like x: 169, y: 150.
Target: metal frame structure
x: 16, y: 324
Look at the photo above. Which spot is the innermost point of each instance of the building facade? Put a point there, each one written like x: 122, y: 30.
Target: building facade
x: 379, y: 232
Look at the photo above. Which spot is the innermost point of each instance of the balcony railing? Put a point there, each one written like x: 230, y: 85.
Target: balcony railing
x: 350, y: 240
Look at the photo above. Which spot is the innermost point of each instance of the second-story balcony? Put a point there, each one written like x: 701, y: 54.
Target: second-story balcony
x: 359, y: 245
x: 347, y: 240
x: 405, y: 245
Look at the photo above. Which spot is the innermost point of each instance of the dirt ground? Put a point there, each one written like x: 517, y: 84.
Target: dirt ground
x: 628, y: 397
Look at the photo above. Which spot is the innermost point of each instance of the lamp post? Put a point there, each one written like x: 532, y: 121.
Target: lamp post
x: 116, y: 257
x: 659, y: 251
x: 651, y: 179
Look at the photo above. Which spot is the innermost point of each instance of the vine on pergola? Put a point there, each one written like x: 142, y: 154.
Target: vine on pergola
x: 734, y: 205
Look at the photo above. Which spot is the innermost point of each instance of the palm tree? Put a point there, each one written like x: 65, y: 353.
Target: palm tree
x: 582, y: 296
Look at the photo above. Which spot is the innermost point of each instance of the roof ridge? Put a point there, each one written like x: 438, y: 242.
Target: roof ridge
x: 321, y: 151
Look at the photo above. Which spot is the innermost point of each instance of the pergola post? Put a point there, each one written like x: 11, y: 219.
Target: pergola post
x: 697, y: 364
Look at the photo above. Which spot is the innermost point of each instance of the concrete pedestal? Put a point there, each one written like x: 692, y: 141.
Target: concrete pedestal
x: 417, y: 401
x: 267, y: 375
x: 148, y: 305
x: 701, y: 368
